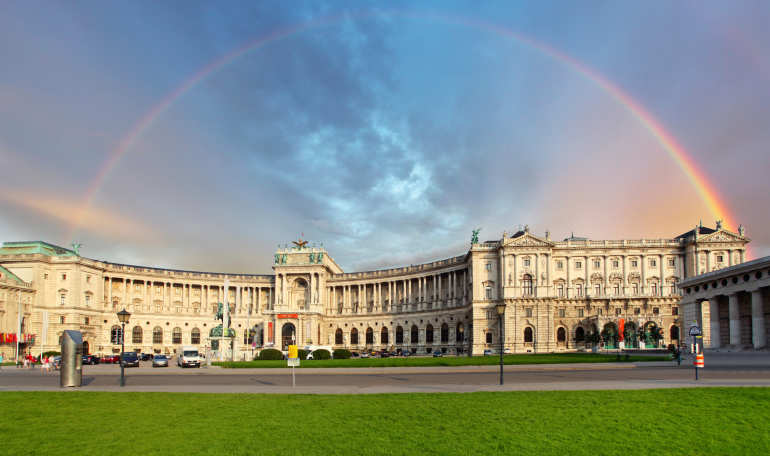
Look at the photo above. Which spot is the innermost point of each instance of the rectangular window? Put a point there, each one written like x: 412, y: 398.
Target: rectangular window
x: 578, y: 265
x: 615, y: 264
x: 86, y: 320
x: 580, y: 312
x: 601, y: 311
x: 528, y: 312
x: 88, y: 300
x: 597, y: 264
x: 45, y: 276
x: 618, y: 310
x: 671, y: 262
x: 579, y: 289
x: 636, y: 288
x: 61, y: 320
x: 617, y: 290
x: 634, y: 263
x: 489, y: 266
x: 561, y: 291
x: 559, y: 265
x: 562, y: 313
x: 654, y: 289
x: 675, y: 310
x: 63, y: 299
x: 88, y: 279
x: 488, y: 291
x: 64, y: 276
x: 653, y: 263
x: 655, y: 311
x: 526, y: 262
x: 720, y: 258
x: 598, y: 290
x: 636, y: 311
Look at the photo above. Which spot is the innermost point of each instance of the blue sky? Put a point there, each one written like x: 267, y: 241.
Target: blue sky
x: 386, y: 131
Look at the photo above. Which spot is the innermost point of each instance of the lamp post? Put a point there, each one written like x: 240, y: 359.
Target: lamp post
x: 500, y: 311
x: 123, y: 317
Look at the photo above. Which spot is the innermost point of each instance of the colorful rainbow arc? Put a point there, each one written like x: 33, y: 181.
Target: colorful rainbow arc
x: 680, y: 156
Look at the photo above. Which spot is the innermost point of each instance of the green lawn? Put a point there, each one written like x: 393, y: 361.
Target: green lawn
x: 452, y: 361
x: 699, y: 421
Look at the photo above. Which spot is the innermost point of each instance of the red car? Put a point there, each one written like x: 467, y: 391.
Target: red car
x: 110, y: 359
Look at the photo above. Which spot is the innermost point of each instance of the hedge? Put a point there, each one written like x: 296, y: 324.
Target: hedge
x: 270, y: 353
x: 51, y: 353
x: 321, y: 354
x: 302, y: 354
x: 341, y: 353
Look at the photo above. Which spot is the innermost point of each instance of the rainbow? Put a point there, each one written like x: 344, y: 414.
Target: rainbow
x: 686, y: 163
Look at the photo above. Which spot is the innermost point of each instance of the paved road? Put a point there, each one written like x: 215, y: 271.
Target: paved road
x: 723, y: 370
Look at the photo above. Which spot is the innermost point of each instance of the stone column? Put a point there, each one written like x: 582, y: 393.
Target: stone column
x: 606, y: 279
x: 759, y: 336
x: 625, y: 274
x: 438, y: 276
x: 536, y: 283
x: 109, y: 291
x: 644, y: 274
x: 735, y: 320
x: 569, y: 284
x: 743, y: 255
x: 515, y: 278
x: 662, y: 274
x: 714, y: 316
x: 708, y: 260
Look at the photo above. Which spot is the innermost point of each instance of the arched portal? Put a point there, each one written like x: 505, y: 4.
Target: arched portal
x: 85, y: 347
x: 673, y: 334
x: 288, y: 335
x: 415, y: 335
x: 460, y: 333
x: 354, y: 336
x: 399, y: 335
x: 338, y: 337
x: 444, y: 333
x: 369, y: 336
x: 630, y: 335
x: 429, y: 334
x: 610, y: 336
x: 384, y: 336
x: 580, y: 335
x: 561, y: 336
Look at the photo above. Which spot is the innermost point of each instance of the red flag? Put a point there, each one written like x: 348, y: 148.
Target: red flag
x: 621, y: 325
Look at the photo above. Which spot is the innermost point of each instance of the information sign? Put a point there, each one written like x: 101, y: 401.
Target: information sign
x: 695, y: 331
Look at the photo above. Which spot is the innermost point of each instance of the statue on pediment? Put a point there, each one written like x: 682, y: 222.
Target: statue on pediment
x: 741, y: 230
x: 475, y: 236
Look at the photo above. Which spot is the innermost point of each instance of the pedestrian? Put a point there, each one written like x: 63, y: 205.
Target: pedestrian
x: 46, y: 364
x: 26, y: 362
x: 1, y: 361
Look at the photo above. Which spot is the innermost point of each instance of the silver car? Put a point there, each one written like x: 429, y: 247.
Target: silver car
x: 159, y: 361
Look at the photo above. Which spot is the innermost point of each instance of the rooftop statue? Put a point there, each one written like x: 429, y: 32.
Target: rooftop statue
x: 475, y: 236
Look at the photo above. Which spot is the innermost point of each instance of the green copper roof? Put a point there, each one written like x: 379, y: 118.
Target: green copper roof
x: 8, y: 274
x: 43, y: 248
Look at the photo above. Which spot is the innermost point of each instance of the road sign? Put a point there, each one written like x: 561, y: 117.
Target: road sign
x: 695, y: 330
x: 699, y: 362
x: 293, y: 362
x: 293, y: 351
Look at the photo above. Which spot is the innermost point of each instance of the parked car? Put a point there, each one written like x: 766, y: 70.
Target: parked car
x: 129, y: 359
x: 110, y: 359
x: 487, y: 352
x: 507, y: 351
x: 364, y: 355
x: 159, y: 361
x: 56, y: 362
x: 405, y: 353
x: 90, y: 359
x: 146, y: 357
x: 355, y: 355
x: 384, y: 354
x: 437, y: 354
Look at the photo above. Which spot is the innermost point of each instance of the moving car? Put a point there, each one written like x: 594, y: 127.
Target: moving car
x: 189, y: 356
x: 129, y: 359
x: 159, y: 361
x: 90, y: 359
x: 437, y: 354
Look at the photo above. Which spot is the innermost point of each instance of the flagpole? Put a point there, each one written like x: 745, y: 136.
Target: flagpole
x: 18, y: 329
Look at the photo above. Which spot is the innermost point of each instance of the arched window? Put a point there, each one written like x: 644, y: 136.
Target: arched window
x: 116, y: 336
x: 561, y: 335
x: 444, y: 333
x: 460, y: 333
x: 429, y: 334
x: 415, y: 335
x: 384, y: 335
x: 176, y: 336
x: 369, y: 336
x: 195, y: 336
x: 399, y: 335
x: 489, y: 337
x: 580, y: 334
x: 354, y: 336
x: 527, y: 285
x: 157, y: 335
x: 338, y: 337
x: 527, y: 335
x: 136, y: 335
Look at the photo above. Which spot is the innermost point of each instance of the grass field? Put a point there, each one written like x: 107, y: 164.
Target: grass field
x: 699, y: 421
x: 451, y: 361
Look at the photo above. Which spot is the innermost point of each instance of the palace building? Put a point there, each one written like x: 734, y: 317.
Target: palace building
x: 559, y: 296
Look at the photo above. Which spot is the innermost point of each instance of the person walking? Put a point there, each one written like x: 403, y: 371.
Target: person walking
x: 1, y: 361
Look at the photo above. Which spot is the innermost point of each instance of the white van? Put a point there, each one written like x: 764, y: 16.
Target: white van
x: 312, y: 348
x: 189, y: 356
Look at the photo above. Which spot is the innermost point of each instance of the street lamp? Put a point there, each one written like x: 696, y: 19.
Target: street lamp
x: 123, y: 317
x: 500, y: 311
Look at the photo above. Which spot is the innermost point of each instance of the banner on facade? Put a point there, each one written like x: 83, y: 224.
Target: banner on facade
x: 621, y: 327
x: 284, y: 316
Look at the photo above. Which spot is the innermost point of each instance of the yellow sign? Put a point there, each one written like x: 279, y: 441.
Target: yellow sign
x: 293, y: 351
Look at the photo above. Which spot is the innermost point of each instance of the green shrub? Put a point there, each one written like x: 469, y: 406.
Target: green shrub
x: 321, y: 354
x: 341, y: 353
x: 302, y: 354
x: 270, y: 353
x: 51, y: 353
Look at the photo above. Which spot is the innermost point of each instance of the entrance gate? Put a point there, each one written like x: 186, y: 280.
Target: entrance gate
x: 288, y: 336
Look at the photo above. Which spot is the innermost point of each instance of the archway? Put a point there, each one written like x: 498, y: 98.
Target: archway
x: 429, y: 334
x: 610, y: 336
x: 528, y: 335
x: 300, y: 294
x: 673, y: 334
x: 384, y: 336
x: 288, y: 335
x: 652, y: 334
x: 580, y: 335
x: 369, y: 336
x: 561, y: 336
x: 444, y: 333
x: 630, y: 335
x: 414, y: 337
x: 85, y: 347
x: 354, y: 336
x: 399, y: 335
x: 460, y: 333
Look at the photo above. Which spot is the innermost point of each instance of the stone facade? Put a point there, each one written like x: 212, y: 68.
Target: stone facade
x: 557, y: 294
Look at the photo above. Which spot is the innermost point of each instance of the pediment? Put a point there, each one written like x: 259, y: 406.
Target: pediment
x: 527, y: 240
x: 722, y: 236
